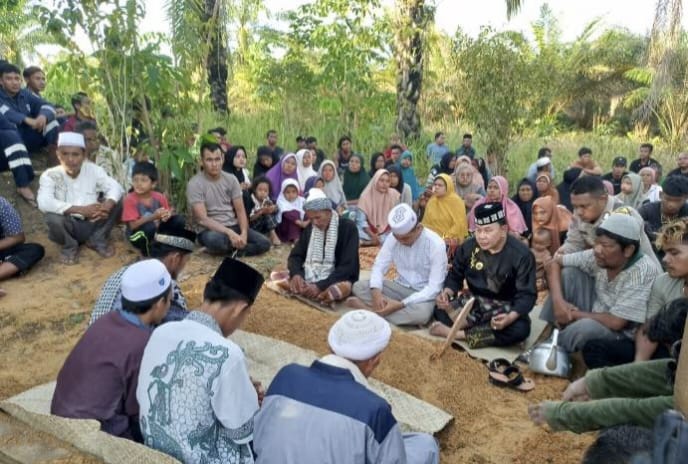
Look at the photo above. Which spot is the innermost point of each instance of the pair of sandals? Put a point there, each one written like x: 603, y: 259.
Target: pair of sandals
x: 504, y: 374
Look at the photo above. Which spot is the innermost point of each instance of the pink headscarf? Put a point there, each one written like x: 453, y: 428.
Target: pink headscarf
x: 514, y: 217
x: 477, y: 177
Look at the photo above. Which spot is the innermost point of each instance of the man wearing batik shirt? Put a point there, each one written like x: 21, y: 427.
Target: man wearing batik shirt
x: 99, y: 377
x: 500, y: 272
x: 420, y: 259
x: 196, y: 397
x: 328, y: 413
x: 172, y: 246
x: 16, y: 256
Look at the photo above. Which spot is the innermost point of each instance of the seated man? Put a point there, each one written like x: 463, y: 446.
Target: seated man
x: 605, y: 294
x: 98, y: 379
x: 172, y: 246
x: 671, y: 206
x: 500, y: 272
x: 16, y: 256
x: 587, y: 163
x: 327, y: 412
x: 617, y: 173
x: 82, y: 112
x: 68, y: 195
x: 218, y: 209
x: 591, y: 205
x: 34, y: 77
x: 103, y: 156
x: 420, y: 259
x: 196, y: 398
x: 323, y: 265
x: 632, y: 394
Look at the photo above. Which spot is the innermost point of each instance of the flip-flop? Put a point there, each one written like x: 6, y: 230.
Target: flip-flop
x: 498, y: 365
x: 511, y: 377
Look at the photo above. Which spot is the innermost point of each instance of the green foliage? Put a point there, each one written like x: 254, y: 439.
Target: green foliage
x: 20, y: 31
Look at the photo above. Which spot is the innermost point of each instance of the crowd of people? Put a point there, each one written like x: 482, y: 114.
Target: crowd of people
x: 611, y: 249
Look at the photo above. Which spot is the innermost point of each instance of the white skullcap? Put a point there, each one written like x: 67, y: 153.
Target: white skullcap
x: 359, y: 335
x: 402, y: 219
x: 544, y: 161
x: 70, y: 139
x: 145, y: 280
x: 317, y: 200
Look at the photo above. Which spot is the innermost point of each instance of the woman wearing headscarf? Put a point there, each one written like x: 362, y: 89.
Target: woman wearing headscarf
x: 445, y: 212
x: 651, y: 189
x: 498, y: 192
x: 555, y: 218
x: 564, y: 189
x: 235, y: 163
x: 376, y: 201
x: 355, y: 179
x: 445, y: 166
x: 631, y: 190
x: 483, y: 169
x: 409, y: 175
x: 264, y: 162
x: 344, y: 152
x: 477, y: 178
x: 283, y: 170
x: 526, y: 193
x: 464, y: 185
x: 377, y: 161
x: 396, y: 181
x: 304, y: 167
x: 545, y: 187
x: 333, y: 186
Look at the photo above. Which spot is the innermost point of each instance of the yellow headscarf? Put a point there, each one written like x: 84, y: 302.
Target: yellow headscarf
x: 446, y: 216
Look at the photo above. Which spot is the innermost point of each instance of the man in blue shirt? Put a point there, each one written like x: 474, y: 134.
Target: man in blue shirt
x: 436, y: 150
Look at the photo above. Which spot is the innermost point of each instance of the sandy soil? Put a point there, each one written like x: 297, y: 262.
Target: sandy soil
x: 46, y: 312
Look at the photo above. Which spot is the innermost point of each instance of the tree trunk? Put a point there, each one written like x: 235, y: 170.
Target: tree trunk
x: 216, y: 60
x: 413, y: 18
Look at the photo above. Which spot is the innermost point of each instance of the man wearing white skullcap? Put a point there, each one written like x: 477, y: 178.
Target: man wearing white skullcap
x: 328, y: 409
x: 69, y: 196
x: 420, y: 259
x: 99, y: 377
x: 610, y: 297
x: 323, y: 265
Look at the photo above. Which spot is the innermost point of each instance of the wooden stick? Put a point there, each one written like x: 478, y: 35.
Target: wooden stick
x: 454, y: 330
x: 681, y: 383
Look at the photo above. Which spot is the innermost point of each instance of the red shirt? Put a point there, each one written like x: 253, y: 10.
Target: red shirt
x: 135, y: 208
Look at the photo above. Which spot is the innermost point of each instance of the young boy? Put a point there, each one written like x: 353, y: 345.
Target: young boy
x: 144, y: 208
x: 99, y: 377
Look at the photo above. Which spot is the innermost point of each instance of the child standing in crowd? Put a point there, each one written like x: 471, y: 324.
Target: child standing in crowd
x: 262, y: 211
x: 144, y: 208
x: 291, y: 214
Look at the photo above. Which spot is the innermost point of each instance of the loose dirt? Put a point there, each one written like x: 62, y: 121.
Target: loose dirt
x: 46, y: 311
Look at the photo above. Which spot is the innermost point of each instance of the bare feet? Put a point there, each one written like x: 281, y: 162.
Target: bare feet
x: 104, y: 250
x: 439, y: 329
x: 354, y: 302
x: 69, y: 258
x: 27, y: 195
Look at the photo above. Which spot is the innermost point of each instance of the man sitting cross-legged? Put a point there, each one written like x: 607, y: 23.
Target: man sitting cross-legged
x: 323, y: 265
x: 99, y: 377
x: 218, y: 209
x: 16, y: 256
x: 172, y: 245
x: 606, y: 291
x: 196, y: 398
x: 500, y: 272
x: 327, y: 412
x: 68, y: 195
x: 420, y: 259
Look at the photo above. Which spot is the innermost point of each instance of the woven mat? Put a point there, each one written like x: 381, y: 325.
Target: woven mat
x: 265, y: 357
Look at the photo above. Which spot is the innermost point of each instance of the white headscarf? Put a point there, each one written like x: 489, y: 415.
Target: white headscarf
x: 333, y: 189
x: 285, y: 205
x: 303, y: 173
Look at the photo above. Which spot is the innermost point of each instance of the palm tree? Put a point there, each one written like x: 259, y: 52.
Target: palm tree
x: 413, y: 17
x: 20, y: 32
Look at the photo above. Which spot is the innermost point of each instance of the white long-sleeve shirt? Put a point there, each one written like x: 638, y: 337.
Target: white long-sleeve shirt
x: 421, y: 266
x: 57, y: 191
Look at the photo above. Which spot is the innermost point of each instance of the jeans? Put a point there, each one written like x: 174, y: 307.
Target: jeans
x: 218, y: 243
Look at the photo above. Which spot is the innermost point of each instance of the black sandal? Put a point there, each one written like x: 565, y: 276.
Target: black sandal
x: 504, y: 374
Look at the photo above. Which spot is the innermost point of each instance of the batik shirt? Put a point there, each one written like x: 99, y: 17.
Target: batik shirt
x: 196, y: 398
x: 110, y: 299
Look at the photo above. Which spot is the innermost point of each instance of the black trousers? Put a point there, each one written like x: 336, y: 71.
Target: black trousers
x: 604, y: 353
x: 484, y: 335
x: 24, y: 255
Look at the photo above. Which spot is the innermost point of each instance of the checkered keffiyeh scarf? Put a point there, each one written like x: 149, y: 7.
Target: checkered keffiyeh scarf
x: 320, y: 255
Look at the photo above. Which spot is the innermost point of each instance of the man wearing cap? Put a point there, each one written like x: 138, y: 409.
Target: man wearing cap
x: 607, y: 299
x: 500, y: 273
x: 420, y: 258
x: 172, y: 246
x: 616, y: 174
x: 197, y: 400
x: 68, y: 195
x: 323, y: 265
x: 99, y: 377
x: 328, y: 413
x: 532, y: 172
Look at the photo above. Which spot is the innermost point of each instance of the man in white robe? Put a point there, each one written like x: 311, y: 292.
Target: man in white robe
x: 196, y: 398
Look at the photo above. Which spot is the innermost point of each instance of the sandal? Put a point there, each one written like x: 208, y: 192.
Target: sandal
x: 510, y: 376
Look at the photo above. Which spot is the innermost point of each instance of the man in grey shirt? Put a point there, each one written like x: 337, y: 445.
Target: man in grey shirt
x: 218, y: 209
